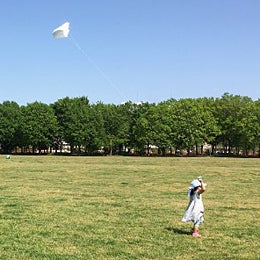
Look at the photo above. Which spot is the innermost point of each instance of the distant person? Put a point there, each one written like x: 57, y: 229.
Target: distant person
x: 195, y: 209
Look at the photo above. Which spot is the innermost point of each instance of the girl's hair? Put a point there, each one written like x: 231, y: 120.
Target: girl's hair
x: 192, y: 191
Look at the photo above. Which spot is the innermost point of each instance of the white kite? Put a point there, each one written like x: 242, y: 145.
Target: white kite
x: 62, y: 31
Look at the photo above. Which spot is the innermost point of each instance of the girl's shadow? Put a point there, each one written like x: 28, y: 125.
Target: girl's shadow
x: 178, y: 231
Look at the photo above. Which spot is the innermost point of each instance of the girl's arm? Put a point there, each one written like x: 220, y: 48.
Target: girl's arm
x: 202, y: 187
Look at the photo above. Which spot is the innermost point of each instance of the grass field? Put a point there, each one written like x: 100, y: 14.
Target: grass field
x: 126, y: 208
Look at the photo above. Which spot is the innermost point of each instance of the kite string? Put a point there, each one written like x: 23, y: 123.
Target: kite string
x: 104, y: 75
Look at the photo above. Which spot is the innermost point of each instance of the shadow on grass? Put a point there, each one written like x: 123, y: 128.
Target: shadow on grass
x: 178, y: 231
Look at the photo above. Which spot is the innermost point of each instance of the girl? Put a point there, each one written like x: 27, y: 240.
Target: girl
x: 195, y: 209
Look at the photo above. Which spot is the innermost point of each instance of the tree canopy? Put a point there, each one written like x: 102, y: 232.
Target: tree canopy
x: 230, y: 124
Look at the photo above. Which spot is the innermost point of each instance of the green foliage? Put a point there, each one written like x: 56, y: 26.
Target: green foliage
x: 237, y: 118
x: 115, y: 126
x: 74, y: 120
x: 139, y: 134
x: 38, y: 126
x: 230, y: 123
x: 10, y: 120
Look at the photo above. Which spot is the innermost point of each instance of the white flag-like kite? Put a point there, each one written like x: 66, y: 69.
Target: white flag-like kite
x: 62, y: 31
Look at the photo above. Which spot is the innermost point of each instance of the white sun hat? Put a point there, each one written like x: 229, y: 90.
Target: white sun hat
x: 195, y: 183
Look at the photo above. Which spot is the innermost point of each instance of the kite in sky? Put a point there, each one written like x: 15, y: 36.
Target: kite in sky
x: 62, y: 31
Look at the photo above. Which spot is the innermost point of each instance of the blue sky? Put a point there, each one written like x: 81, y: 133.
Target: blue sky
x: 120, y: 50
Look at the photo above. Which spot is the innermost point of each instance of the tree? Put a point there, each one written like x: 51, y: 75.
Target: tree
x: 139, y: 134
x: 116, y: 127
x: 38, y: 126
x: 256, y: 139
x: 235, y: 118
x: 96, y: 132
x: 207, y: 125
x: 73, y: 116
x: 158, y: 126
x: 10, y: 119
x: 184, y: 124
x: 250, y: 126
x: 192, y: 123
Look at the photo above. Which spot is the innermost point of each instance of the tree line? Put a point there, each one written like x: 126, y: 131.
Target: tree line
x: 229, y: 124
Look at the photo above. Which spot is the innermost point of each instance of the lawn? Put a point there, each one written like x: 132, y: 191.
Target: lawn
x: 54, y: 207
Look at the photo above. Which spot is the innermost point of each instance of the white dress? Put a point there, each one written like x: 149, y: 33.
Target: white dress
x: 195, y: 210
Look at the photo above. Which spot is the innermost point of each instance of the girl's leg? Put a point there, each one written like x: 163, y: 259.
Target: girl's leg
x: 196, y: 230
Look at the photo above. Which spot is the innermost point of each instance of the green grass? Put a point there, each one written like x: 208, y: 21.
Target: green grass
x: 126, y: 208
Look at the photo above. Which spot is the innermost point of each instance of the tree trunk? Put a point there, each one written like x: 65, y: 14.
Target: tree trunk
x: 111, y: 148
